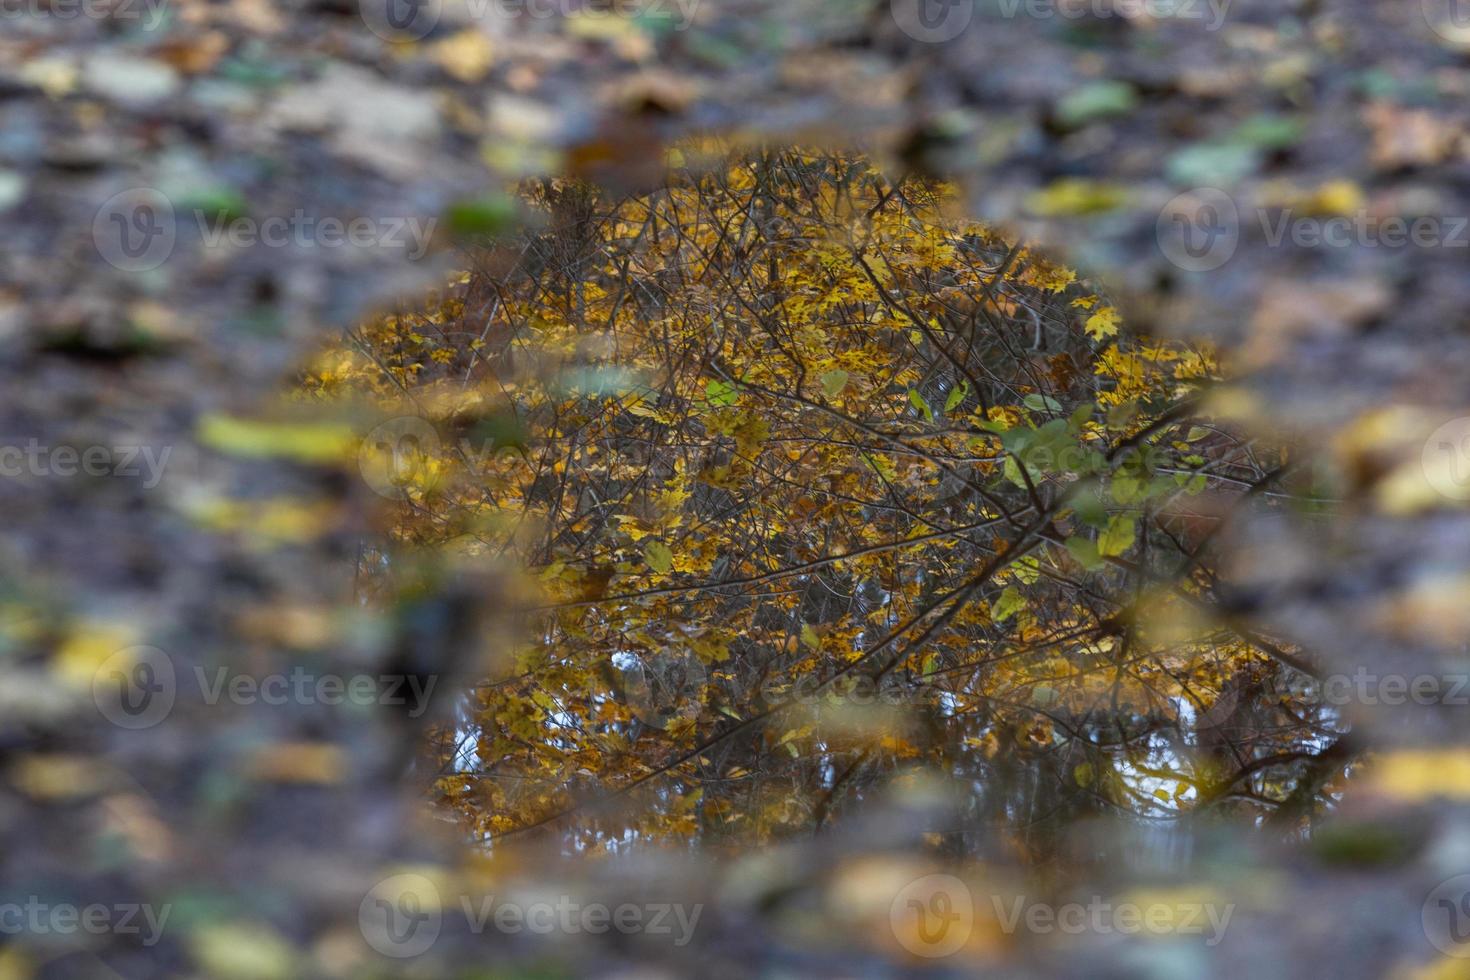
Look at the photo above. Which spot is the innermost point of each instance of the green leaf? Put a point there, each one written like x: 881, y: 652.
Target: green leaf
x: 833, y: 382
x: 1011, y: 601
x: 1088, y: 506
x: 222, y: 204
x: 1085, y: 551
x: 1126, y: 489
x: 1271, y: 132
x: 1121, y: 414
x: 485, y: 216
x: 1038, y: 403
x: 659, y: 556
x: 1095, y: 101
x: 721, y: 394
x: 1210, y: 164
x: 917, y: 400
x: 1117, y: 537
x: 957, y: 394
x: 307, y: 443
x: 883, y: 466
x: 809, y: 636
x: 1027, y: 570
x: 1079, y: 415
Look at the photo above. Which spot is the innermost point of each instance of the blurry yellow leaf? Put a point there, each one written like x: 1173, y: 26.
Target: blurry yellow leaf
x: 298, y: 762
x: 467, y: 55
x: 317, y: 443
x: 87, y: 647
x: 1419, y: 774
x: 57, y: 777
x: 243, y: 952
x: 658, y: 555
x: 1074, y: 196
x: 14, y: 965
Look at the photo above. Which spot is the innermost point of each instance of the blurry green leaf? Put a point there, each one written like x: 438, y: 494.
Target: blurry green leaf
x: 1118, y: 537
x: 1075, y: 196
x: 721, y: 394
x: 1096, y: 101
x: 1011, y: 601
x: 1027, y: 570
x: 243, y: 952
x: 1087, y: 504
x: 1208, y: 164
x: 659, y: 556
x: 315, y: 443
x: 485, y: 216
x: 1085, y: 552
x: 222, y: 204
x: 833, y: 382
x: 1126, y: 489
x: 957, y: 394
x: 1269, y: 131
x: 917, y: 400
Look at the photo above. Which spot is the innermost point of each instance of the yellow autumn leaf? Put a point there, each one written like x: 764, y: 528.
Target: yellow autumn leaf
x: 307, y: 443
x: 1420, y: 774
x: 243, y: 952
x: 467, y: 55
x: 298, y: 762
x: 1102, y: 324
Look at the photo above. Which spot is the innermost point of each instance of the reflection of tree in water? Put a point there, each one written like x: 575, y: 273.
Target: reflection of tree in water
x: 822, y: 488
